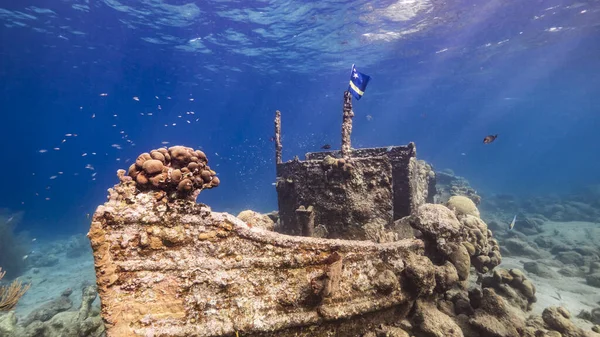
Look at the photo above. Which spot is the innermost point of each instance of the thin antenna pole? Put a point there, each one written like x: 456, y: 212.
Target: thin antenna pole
x: 347, y: 124
x: 278, y: 146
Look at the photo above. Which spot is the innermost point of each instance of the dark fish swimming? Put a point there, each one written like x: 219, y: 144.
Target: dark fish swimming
x: 489, y: 139
x: 326, y: 147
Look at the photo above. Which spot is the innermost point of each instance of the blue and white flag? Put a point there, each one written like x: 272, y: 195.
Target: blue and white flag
x: 358, y: 83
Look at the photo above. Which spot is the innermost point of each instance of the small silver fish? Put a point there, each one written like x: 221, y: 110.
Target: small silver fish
x: 512, y: 224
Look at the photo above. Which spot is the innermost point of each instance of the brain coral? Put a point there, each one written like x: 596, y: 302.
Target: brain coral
x: 462, y: 206
x: 180, y: 171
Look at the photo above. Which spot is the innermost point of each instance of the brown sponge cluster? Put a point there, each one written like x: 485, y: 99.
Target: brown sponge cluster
x: 180, y: 171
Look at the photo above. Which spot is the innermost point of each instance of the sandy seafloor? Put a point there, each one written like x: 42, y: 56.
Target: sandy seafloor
x: 570, y: 292
x: 49, y: 282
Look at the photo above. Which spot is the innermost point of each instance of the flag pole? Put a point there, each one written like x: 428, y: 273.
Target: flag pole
x: 347, y: 124
x: 278, y: 146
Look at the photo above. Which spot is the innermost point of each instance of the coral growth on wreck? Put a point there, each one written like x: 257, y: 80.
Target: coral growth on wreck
x: 174, y: 172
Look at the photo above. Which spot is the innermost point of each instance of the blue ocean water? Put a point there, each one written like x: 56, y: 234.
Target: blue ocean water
x: 89, y: 85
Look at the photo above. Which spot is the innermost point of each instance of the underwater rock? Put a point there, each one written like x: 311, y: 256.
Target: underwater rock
x: 8, y: 323
x: 593, y: 279
x: 547, y: 242
x: 592, y: 316
x: 439, y: 224
x: 521, y: 248
x: 431, y: 322
x: 448, y: 185
x: 274, y: 216
x: 461, y: 259
x: 559, y: 319
x: 462, y: 206
x: 253, y: 219
x: 513, y: 286
x: 539, y: 270
x: 493, y: 317
x: 48, y: 310
x: 588, y: 251
x: 84, y: 322
x: 570, y: 271
x: 483, y: 249
x: 389, y: 331
x: 570, y: 257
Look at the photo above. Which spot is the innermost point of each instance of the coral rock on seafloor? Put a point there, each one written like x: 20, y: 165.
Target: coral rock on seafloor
x: 462, y: 206
x: 448, y: 185
x: 513, y: 286
x: 172, y: 267
x: 50, y: 309
x: 53, y: 320
x: 460, y: 241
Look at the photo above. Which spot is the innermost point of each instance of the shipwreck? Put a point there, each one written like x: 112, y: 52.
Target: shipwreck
x: 357, y: 249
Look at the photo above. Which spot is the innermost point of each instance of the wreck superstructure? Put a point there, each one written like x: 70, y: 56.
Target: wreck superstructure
x: 370, y: 188
x: 352, y: 192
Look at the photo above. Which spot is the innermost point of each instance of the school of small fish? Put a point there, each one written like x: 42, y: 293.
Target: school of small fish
x: 68, y: 141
